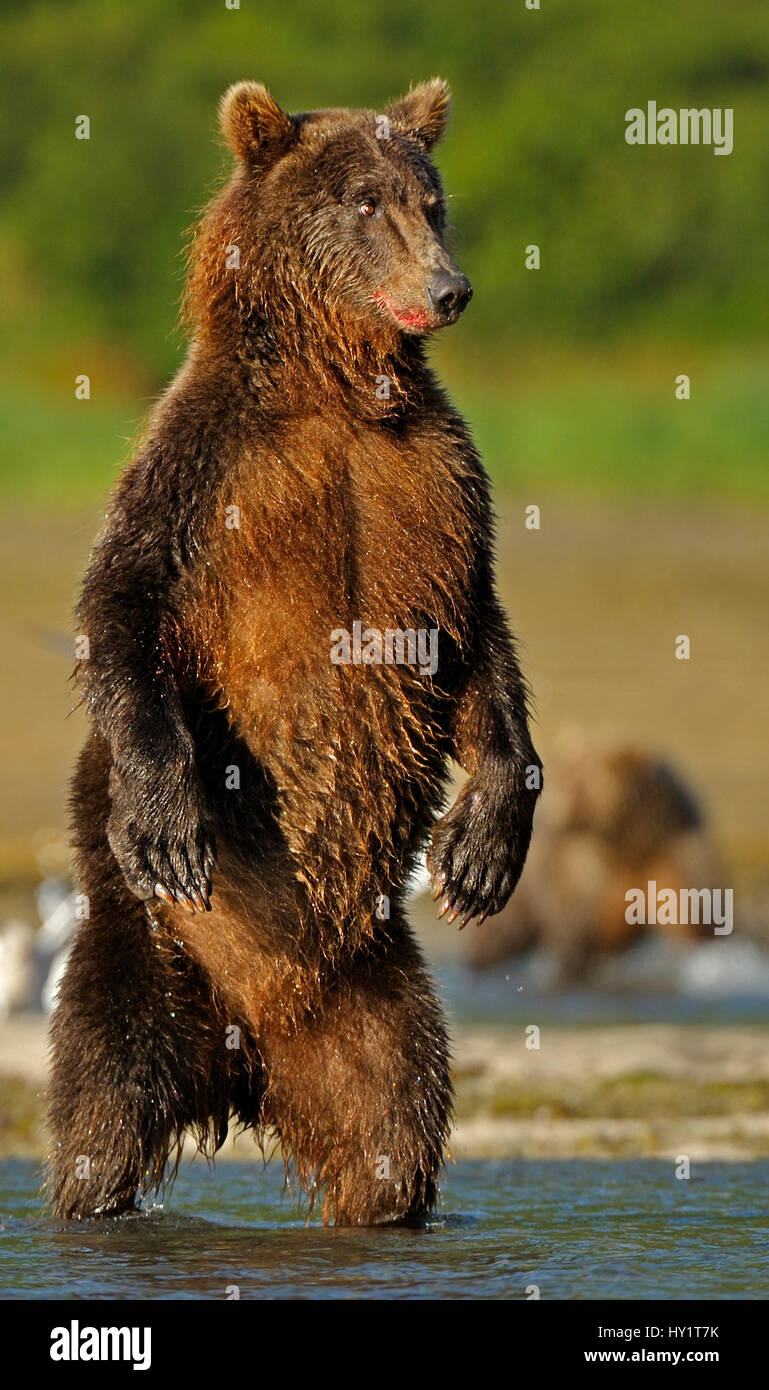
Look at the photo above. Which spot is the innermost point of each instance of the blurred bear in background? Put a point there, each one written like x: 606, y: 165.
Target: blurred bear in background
x: 613, y: 817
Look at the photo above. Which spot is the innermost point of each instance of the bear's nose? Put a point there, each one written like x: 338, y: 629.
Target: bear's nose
x: 449, y: 292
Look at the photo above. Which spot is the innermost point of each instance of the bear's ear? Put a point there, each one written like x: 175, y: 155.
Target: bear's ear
x: 423, y: 112
x: 253, y: 124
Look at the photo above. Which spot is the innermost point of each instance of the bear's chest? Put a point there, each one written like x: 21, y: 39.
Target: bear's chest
x: 410, y: 532
x: 339, y: 551
x: 338, y: 525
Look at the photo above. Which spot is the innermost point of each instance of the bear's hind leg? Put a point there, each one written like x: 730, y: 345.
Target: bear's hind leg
x: 138, y: 1055
x: 359, y: 1092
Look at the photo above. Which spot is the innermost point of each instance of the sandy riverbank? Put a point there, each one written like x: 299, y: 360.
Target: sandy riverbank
x: 647, y: 1090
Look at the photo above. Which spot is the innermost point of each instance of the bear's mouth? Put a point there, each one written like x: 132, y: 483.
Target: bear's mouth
x: 415, y: 319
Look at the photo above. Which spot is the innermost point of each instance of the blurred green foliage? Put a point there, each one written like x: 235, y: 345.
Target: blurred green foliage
x: 639, y: 244
x: 600, y: 428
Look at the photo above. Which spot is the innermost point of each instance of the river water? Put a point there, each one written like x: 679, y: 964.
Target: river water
x: 572, y: 1229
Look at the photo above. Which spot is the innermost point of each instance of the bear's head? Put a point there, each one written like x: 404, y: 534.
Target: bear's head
x: 334, y: 214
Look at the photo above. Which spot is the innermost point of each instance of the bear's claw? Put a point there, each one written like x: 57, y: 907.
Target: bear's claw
x: 191, y: 889
x: 477, y: 853
x: 173, y: 865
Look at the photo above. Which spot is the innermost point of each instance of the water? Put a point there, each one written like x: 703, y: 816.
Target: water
x: 655, y: 982
x: 576, y: 1229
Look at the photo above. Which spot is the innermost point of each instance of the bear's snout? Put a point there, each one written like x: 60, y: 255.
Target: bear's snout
x: 449, y: 293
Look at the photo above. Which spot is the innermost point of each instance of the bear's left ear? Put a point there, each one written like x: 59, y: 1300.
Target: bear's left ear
x: 253, y: 124
x: 423, y: 112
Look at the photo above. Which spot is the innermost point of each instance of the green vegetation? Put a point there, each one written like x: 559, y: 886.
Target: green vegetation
x: 59, y: 450
x: 653, y: 258
x: 613, y: 426
x: 22, y: 1123
x: 623, y: 1115
x: 645, y: 1096
x: 594, y: 425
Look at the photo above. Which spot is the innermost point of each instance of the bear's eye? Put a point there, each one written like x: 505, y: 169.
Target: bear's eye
x: 367, y: 207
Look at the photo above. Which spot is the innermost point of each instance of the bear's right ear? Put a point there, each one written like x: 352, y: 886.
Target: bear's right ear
x: 422, y: 114
x: 253, y: 124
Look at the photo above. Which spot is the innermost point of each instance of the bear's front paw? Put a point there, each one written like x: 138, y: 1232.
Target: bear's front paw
x: 478, y: 851
x: 158, y: 838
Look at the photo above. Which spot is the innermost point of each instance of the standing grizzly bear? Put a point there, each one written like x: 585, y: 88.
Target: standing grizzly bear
x: 248, y: 805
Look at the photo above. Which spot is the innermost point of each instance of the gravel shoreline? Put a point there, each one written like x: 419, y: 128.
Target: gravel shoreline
x: 646, y: 1090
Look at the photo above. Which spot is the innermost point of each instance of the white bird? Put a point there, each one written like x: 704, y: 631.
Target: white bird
x: 17, y: 966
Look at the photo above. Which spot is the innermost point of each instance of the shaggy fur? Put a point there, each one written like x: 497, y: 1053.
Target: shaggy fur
x: 242, y: 804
